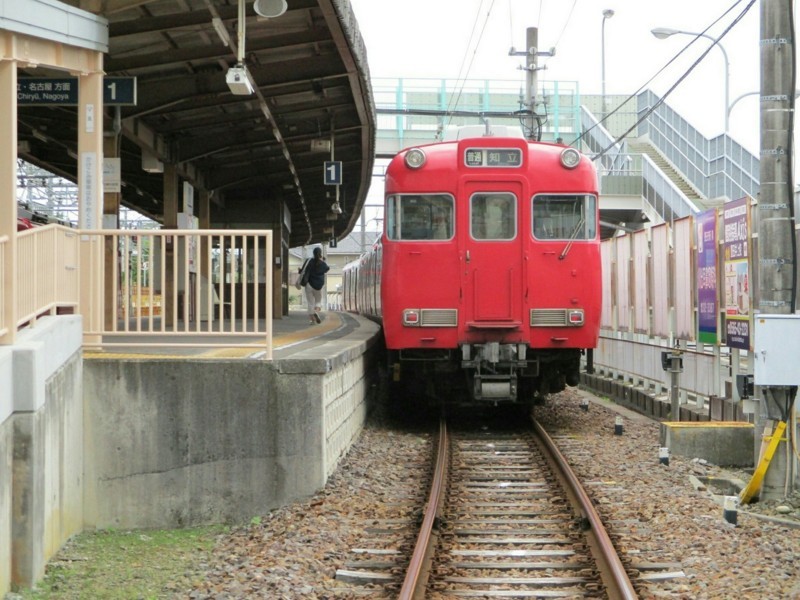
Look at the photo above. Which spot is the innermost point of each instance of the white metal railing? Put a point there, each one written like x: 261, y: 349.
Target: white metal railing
x: 637, y: 360
x: 148, y: 288
x: 3, y: 326
x: 199, y: 288
x: 47, y: 272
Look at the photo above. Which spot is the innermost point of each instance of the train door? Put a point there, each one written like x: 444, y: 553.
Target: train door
x: 492, y: 256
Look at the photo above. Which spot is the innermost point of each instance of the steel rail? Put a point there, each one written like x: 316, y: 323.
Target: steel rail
x: 414, y: 583
x: 618, y: 584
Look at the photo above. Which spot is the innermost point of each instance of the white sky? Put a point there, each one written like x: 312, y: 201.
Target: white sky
x: 430, y: 38
x: 434, y: 39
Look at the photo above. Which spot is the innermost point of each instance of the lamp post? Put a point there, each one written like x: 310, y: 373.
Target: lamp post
x: 663, y: 33
x: 607, y: 14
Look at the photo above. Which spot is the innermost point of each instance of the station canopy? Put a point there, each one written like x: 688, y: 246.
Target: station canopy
x: 311, y: 102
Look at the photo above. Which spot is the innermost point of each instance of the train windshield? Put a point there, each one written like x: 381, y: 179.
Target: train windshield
x: 420, y: 217
x: 564, y: 217
x: 493, y: 216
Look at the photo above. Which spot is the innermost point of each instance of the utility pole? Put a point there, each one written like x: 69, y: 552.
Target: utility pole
x: 777, y: 266
x: 531, y: 77
x: 533, y: 124
x: 528, y: 97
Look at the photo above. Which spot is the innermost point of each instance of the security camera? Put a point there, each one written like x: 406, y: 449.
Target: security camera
x: 336, y: 208
x: 238, y: 81
x: 270, y: 8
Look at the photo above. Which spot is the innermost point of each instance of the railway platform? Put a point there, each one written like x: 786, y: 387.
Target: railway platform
x: 150, y: 438
x: 292, y: 335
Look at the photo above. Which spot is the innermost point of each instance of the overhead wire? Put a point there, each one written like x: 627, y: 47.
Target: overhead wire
x: 566, y: 23
x: 511, y: 21
x: 664, y: 96
x: 454, y: 100
x: 452, y: 104
x: 469, y: 41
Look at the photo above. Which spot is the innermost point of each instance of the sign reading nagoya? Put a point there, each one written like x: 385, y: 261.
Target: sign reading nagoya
x: 118, y: 91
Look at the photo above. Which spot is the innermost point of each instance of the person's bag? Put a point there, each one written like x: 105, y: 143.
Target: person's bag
x: 302, y: 276
x: 306, y: 273
x: 296, y: 277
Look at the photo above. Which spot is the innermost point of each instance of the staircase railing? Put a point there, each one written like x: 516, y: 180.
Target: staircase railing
x: 719, y: 167
x: 655, y: 186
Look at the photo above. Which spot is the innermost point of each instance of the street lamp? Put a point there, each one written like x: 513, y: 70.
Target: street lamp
x: 663, y: 33
x: 607, y: 14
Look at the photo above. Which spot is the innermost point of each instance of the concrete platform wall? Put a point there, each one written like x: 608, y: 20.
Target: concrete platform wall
x: 344, y: 408
x: 45, y: 436
x: 696, y: 435
x: 6, y: 428
x: 172, y: 443
x: 163, y: 443
x: 342, y: 376
x: 727, y: 444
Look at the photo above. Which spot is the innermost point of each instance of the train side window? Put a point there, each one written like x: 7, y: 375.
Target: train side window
x: 420, y: 217
x: 564, y: 217
x: 493, y: 216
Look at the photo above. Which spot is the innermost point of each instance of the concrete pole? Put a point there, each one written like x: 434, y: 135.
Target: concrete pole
x: 675, y: 386
x: 531, y: 46
x: 777, y: 263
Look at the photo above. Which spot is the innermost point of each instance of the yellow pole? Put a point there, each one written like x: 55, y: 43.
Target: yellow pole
x: 754, y: 486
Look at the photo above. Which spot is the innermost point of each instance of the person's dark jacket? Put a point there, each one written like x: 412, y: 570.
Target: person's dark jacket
x: 316, y: 273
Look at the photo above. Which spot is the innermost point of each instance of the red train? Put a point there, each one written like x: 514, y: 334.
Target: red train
x: 486, y: 278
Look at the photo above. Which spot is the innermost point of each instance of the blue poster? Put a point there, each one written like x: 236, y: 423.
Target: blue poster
x: 707, y: 276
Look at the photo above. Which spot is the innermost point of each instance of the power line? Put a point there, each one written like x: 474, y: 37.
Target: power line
x: 474, y: 52
x: 566, y: 23
x: 663, y: 97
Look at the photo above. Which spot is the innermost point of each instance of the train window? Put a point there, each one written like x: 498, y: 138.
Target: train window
x: 493, y: 216
x: 420, y: 217
x: 564, y: 217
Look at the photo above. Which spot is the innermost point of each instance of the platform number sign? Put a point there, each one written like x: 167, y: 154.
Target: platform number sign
x: 333, y: 172
x: 117, y: 91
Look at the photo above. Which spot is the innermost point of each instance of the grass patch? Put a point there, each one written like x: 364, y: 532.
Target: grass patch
x: 144, y: 564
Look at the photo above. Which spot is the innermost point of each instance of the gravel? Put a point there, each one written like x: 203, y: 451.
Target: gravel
x: 654, y: 513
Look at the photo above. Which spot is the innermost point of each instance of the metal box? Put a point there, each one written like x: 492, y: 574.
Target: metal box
x: 777, y: 349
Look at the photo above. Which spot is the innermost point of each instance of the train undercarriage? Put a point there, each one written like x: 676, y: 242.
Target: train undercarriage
x: 482, y: 374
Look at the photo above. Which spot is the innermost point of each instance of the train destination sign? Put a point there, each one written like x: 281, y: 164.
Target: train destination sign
x: 493, y: 157
x: 117, y: 91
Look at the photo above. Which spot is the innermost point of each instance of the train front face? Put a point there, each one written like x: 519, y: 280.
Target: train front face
x: 491, y: 267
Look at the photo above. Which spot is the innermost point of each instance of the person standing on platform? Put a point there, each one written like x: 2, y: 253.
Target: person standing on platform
x: 315, y: 281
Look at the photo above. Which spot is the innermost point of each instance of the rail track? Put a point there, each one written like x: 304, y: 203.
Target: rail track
x: 515, y: 524
x: 504, y: 518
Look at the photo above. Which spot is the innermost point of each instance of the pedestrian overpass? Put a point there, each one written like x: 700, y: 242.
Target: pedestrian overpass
x: 663, y: 169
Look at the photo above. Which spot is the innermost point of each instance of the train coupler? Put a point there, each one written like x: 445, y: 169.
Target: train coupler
x: 494, y: 387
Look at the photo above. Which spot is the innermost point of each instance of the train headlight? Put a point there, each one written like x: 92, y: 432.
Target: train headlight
x: 415, y: 158
x: 570, y: 158
x: 575, y: 317
x: 411, y: 317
